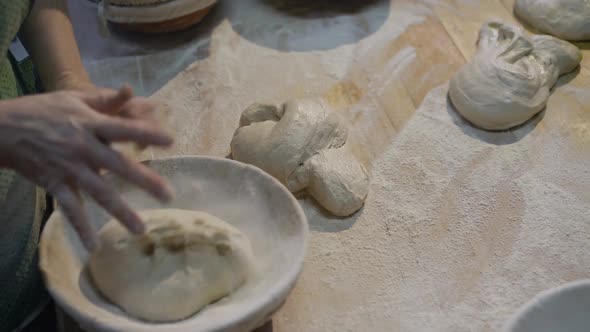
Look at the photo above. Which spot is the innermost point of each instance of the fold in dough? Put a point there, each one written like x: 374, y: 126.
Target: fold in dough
x: 510, y: 77
x: 303, y: 145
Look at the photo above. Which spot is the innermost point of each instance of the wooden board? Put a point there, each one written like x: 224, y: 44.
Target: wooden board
x: 359, y: 269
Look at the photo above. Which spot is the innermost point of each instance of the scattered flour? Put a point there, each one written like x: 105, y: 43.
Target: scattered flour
x: 461, y: 227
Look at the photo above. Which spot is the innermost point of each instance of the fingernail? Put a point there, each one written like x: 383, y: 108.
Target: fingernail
x: 167, y: 193
x: 126, y: 90
x: 137, y: 228
x: 92, y: 243
x: 140, y: 147
x: 168, y: 140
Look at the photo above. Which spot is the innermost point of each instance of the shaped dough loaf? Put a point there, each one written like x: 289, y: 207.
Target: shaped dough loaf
x: 184, y: 261
x: 566, y: 19
x: 303, y: 145
x: 510, y: 78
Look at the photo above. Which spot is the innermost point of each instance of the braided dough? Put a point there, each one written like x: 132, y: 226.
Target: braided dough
x: 566, y: 19
x: 303, y: 145
x: 184, y: 261
x: 510, y: 78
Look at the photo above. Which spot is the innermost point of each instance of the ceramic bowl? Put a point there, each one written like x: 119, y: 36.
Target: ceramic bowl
x: 240, y: 194
x: 565, y: 309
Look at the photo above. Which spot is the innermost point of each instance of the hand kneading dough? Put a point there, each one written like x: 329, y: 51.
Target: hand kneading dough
x: 303, y: 145
x: 184, y: 261
x: 510, y: 78
x: 566, y: 19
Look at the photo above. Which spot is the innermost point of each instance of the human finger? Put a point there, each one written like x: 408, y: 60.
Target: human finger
x: 72, y: 207
x: 102, y: 156
x: 136, y: 131
x: 108, y: 101
x: 107, y: 197
x: 139, y: 108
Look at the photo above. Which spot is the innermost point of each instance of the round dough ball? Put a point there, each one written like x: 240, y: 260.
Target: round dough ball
x: 566, y: 19
x: 184, y: 261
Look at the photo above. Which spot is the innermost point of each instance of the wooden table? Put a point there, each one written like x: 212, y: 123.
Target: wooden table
x: 376, y: 73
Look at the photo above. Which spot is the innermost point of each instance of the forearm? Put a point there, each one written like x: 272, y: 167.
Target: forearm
x: 49, y: 37
x: 4, y: 160
x: 11, y: 127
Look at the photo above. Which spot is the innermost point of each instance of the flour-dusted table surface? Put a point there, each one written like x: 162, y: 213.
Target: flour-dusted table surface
x: 461, y: 226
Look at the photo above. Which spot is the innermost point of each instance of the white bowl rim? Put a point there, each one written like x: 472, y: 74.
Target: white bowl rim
x: 542, y: 297
x: 280, y: 290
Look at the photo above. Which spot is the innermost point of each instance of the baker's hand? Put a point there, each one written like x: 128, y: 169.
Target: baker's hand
x: 135, y: 108
x: 60, y: 141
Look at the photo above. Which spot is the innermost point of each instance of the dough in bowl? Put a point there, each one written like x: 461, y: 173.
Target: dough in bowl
x: 509, y: 80
x: 304, y: 145
x: 566, y: 19
x: 184, y: 261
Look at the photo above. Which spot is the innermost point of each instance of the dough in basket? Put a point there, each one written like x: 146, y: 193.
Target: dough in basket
x: 184, y: 261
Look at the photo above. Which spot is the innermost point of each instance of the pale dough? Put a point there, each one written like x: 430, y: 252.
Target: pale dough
x: 566, y: 19
x: 303, y: 144
x: 510, y: 77
x: 184, y: 261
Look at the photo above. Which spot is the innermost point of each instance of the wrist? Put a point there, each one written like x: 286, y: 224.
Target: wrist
x: 70, y: 81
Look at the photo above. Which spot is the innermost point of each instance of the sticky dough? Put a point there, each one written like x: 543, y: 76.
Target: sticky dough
x: 184, y: 261
x: 510, y: 77
x: 303, y: 144
x: 566, y: 19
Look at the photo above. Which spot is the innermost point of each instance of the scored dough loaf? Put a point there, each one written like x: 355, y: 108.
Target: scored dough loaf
x: 509, y: 79
x: 184, y: 261
x: 566, y: 19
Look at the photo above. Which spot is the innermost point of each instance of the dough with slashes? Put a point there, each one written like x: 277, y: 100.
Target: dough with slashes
x: 566, y: 19
x: 510, y: 78
x: 303, y: 145
x: 184, y: 261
